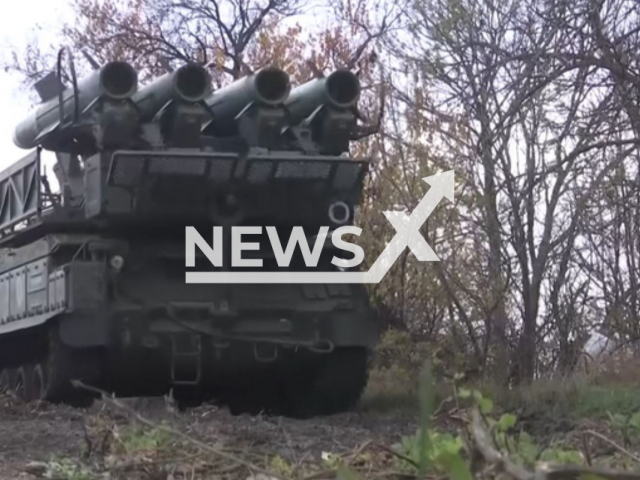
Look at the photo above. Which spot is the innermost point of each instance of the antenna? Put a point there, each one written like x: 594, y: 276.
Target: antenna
x: 92, y: 61
x: 164, y: 62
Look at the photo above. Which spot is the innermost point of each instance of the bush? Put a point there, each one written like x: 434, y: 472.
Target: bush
x: 397, y: 349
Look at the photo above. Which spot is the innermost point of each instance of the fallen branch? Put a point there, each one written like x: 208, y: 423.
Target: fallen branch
x: 397, y: 454
x: 395, y: 474
x: 354, y: 455
x: 484, y: 447
x: 620, y: 448
x: 570, y: 472
x: 177, y: 433
x: 152, y: 463
x: 330, y: 473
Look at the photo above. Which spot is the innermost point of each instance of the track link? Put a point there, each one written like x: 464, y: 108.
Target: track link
x: 333, y: 386
x: 48, y: 377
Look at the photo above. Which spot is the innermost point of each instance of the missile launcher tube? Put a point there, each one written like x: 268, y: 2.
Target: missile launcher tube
x: 267, y: 87
x: 189, y: 83
x: 340, y: 90
x: 114, y: 81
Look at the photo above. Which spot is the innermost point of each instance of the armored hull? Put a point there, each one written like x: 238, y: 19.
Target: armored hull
x: 135, y: 328
x: 142, y: 331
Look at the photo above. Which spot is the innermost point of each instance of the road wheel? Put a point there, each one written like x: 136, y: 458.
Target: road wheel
x: 5, y: 381
x: 330, y: 385
x: 22, y: 383
x: 38, y: 383
x: 58, y: 369
x: 335, y: 386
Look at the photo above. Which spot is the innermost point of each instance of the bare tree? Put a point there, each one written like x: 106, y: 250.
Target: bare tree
x: 542, y: 127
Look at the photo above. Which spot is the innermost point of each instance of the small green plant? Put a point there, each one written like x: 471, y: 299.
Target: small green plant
x: 136, y: 439
x: 332, y: 460
x: 628, y: 426
x: 280, y: 466
x: 67, y: 469
x: 444, y: 453
x: 442, y: 447
x: 431, y: 450
x: 485, y: 404
x: 520, y: 446
x: 524, y: 451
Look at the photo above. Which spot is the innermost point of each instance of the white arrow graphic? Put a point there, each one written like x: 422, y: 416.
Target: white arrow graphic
x: 407, y: 235
x: 408, y: 228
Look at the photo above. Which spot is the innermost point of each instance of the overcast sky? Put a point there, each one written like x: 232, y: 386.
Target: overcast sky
x: 22, y: 20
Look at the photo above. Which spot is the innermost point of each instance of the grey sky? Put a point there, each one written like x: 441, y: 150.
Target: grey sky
x: 22, y: 20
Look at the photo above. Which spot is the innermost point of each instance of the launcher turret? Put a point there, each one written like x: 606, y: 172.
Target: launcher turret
x: 174, y: 150
x: 107, y: 111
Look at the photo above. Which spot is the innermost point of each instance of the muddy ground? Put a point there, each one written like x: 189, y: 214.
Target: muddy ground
x: 40, y: 432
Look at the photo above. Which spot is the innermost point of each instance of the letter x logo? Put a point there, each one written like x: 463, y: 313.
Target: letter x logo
x: 408, y: 233
x: 408, y: 228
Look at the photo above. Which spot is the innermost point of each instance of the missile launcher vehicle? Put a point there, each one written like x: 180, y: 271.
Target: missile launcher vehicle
x: 92, y: 274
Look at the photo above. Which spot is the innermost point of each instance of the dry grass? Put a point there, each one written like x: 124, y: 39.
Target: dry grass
x: 620, y: 368
x: 599, y: 387
x: 390, y: 389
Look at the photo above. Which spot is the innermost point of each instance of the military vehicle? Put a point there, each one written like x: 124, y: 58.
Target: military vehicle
x: 92, y: 275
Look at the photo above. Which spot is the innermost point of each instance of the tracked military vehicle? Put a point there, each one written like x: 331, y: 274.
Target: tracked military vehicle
x: 92, y: 275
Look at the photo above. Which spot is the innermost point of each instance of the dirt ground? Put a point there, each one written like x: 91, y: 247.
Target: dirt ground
x: 39, y: 433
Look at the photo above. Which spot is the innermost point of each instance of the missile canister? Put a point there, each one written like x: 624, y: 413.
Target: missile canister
x: 268, y: 87
x: 189, y: 84
x: 340, y: 90
x: 115, y: 81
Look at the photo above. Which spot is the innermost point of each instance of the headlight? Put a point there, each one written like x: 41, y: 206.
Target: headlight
x: 116, y: 262
x: 339, y: 212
